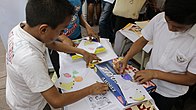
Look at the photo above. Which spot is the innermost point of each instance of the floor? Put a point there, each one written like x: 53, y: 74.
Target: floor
x: 3, y: 105
x: 190, y: 103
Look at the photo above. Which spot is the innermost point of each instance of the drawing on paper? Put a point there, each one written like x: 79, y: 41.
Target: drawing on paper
x: 68, y: 80
x: 138, y: 96
x: 87, y: 42
x: 135, y: 28
x: 126, y: 76
x: 98, y: 102
x: 88, y: 46
x: 132, y: 92
x: 67, y: 86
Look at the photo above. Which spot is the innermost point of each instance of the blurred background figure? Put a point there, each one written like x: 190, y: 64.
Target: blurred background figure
x: 126, y: 11
x: 153, y: 7
x: 106, y: 21
x: 93, y: 5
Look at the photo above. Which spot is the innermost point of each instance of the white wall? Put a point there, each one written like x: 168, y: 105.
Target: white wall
x: 11, y: 13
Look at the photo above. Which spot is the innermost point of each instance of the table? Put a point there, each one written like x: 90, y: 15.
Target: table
x: 123, y: 41
x: 66, y: 61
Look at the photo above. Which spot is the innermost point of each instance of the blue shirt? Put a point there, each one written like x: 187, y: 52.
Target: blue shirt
x: 73, y: 30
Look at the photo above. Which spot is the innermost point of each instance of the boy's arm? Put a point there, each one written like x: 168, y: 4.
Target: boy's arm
x: 89, y: 29
x: 61, y: 47
x: 135, y: 48
x: 186, y: 78
x: 57, y: 100
x: 66, y: 40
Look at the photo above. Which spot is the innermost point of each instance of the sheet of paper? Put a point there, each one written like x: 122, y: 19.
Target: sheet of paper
x: 133, y: 92
x: 89, y: 46
x: 99, y: 102
x: 75, y: 79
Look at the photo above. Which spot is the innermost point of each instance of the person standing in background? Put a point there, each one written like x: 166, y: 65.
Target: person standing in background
x: 93, y: 5
x: 153, y: 7
x: 106, y: 20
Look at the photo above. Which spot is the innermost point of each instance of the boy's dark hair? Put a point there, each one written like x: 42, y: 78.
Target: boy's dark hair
x: 51, y: 12
x: 181, y: 11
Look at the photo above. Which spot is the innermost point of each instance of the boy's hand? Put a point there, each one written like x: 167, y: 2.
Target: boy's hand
x: 88, y: 57
x: 145, y: 75
x: 98, y: 88
x: 120, y: 66
x: 91, y: 33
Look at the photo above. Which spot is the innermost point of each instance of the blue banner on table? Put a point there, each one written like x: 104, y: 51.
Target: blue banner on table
x: 106, y: 72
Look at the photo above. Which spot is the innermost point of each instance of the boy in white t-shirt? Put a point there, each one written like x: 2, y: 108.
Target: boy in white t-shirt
x: 172, y: 64
x: 28, y: 85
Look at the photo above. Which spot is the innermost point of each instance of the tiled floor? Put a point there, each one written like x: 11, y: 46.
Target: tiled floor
x: 3, y: 105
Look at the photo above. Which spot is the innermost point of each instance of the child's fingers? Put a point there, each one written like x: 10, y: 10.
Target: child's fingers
x: 96, y: 57
x: 139, y: 78
x: 117, y: 67
x: 87, y: 62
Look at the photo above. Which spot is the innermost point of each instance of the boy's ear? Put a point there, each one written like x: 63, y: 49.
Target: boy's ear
x: 43, y: 28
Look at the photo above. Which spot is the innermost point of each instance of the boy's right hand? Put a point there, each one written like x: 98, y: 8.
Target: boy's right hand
x: 98, y: 88
x: 120, y: 66
x: 89, y: 57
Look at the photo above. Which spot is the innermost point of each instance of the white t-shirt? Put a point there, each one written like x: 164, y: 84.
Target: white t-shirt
x: 27, y: 71
x: 173, y: 52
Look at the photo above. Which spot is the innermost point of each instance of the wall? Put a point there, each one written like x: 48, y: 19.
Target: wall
x: 11, y: 13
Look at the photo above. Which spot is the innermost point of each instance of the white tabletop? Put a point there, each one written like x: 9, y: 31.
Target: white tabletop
x: 90, y: 78
x: 133, y: 37
x: 66, y: 61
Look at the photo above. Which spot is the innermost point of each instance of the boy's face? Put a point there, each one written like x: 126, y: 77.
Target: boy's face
x: 49, y: 35
x: 176, y: 27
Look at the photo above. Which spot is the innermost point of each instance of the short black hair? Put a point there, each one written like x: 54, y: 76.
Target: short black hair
x: 50, y: 12
x: 181, y: 11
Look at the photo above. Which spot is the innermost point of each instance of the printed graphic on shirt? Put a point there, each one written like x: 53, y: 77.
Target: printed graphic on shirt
x: 74, y: 22
x: 180, y: 59
x: 10, y: 53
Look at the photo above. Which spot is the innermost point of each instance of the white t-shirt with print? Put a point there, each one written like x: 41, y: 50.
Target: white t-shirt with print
x: 173, y: 52
x: 27, y: 71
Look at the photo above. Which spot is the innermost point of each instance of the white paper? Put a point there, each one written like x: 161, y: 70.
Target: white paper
x: 75, y: 78
x: 130, y: 35
x: 99, y: 102
x: 132, y: 92
x: 89, y: 46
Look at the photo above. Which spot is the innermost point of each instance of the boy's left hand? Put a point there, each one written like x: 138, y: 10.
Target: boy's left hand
x: 89, y: 57
x: 145, y: 75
